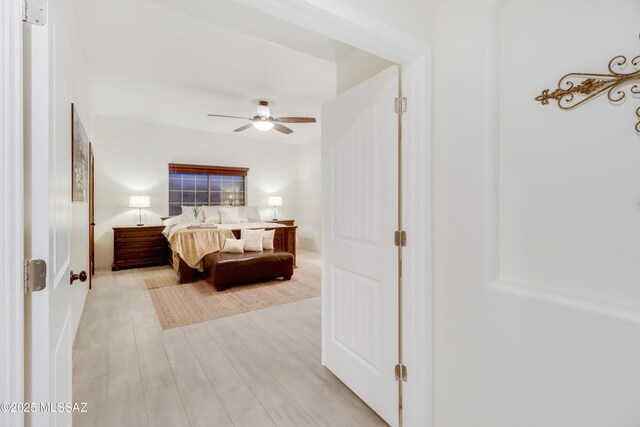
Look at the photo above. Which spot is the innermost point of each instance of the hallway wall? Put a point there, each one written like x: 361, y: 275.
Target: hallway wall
x: 535, y: 214
x: 81, y: 97
x: 536, y: 298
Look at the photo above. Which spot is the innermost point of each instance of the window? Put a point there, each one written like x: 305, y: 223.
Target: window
x: 191, y: 185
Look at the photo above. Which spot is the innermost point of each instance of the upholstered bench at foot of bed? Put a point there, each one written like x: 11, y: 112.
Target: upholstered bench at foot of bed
x: 224, y: 269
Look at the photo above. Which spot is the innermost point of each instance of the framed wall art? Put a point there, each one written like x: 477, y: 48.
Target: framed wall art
x: 79, y: 159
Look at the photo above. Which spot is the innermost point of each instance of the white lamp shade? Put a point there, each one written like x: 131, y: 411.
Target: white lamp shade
x: 275, y: 201
x: 139, y: 201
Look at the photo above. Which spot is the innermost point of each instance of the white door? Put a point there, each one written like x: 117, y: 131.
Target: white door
x: 359, y: 259
x: 48, y: 216
x: 11, y: 214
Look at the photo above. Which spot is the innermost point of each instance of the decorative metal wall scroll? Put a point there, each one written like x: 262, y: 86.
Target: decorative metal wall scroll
x: 575, y: 89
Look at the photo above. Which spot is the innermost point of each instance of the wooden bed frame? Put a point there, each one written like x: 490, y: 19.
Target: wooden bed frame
x: 284, y: 239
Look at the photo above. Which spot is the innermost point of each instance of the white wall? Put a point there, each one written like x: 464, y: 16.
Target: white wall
x: 309, y: 214
x: 530, y: 195
x: 410, y: 16
x: 81, y: 98
x: 535, y: 214
x: 132, y: 157
x: 357, y: 67
x: 579, y: 188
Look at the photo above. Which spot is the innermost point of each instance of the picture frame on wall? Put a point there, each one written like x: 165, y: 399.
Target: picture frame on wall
x: 79, y: 159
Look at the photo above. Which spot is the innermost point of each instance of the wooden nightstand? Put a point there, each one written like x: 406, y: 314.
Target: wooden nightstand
x: 136, y: 246
x: 288, y: 222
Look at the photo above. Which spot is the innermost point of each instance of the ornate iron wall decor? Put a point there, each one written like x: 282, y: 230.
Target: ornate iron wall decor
x: 575, y: 89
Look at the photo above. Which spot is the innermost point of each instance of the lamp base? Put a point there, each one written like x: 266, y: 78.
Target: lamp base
x: 140, y: 217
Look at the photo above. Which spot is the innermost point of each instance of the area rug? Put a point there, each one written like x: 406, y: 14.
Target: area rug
x: 180, y: 305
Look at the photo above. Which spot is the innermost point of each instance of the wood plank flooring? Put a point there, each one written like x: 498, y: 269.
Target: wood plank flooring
x: 256, y: 369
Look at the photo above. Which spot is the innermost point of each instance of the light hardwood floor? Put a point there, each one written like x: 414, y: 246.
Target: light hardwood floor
x: 260, y: 368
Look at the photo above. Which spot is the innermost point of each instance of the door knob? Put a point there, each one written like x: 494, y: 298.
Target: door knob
x: 82, y: 276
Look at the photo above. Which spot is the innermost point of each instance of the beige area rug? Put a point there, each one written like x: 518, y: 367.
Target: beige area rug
x: 179, y: 305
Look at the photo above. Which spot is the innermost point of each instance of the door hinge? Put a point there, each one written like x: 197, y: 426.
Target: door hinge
x: 401, y: 372
x: 34, y: 11
x: 35, y: 275
x: 400, y: 105
x: 400, y: 238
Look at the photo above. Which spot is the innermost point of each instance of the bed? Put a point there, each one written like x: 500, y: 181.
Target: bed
x: 209, y: 237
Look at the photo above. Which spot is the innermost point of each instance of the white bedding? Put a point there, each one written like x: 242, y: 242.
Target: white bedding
x: 241, y: 225
x: 170, y: 229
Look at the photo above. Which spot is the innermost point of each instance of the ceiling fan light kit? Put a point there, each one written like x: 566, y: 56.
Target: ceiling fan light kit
x: 264, y: 121
x: 263, y: 124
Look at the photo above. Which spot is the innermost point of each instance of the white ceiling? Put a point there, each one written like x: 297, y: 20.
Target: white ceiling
x: 238, y: 17
x: 173, y: 62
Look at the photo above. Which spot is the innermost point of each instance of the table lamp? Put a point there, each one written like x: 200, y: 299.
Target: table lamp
x: 275, y: 201
x: 139, y: 201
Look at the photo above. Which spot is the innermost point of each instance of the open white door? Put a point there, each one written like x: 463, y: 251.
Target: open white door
x: 11, y: 214
x: 48, y: 218
x: 359, y: 258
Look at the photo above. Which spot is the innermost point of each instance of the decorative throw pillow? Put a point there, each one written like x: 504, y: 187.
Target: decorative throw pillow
x: 211, y: 214
x: 267, y: 239
x: 172, y: 220
x: 233, y: 246
x: 253, y: 215
x: 229, y: 215
x: 253, y: 238
x: 242, y: 213
x: 187, y: 214
x: 253, y: 245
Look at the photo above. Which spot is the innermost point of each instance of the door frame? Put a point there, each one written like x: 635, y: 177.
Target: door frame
x: 92, y: 214
x: 11, y: 212
x: 350, y: 26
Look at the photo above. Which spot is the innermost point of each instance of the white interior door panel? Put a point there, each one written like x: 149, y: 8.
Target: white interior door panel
x: 359, y: 259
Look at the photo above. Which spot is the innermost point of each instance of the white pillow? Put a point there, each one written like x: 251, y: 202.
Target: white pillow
x: 253, y: 245
x: 253, y: 238
x: 233, y: 246
x: 172, y: 220
x: 229, y: 215
x: 211, y: 214
x: 248, y: 233
x: 267, y: 239
x: 187, y: 214
x: 253, y: 214
x: 242, y: 213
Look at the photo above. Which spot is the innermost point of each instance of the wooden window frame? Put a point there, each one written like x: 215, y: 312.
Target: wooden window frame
x: 207, y: 170
x: 182, y: 168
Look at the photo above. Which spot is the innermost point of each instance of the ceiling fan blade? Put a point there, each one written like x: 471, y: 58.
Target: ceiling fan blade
x: 296, y: 119
x: 228, y: 117
x: 281, y: 128
x: 245, y: 127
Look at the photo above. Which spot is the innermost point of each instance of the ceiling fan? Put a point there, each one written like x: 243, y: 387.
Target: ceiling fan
x: 264, y: 121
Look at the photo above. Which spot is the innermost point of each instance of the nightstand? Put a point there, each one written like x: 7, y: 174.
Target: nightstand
x: 137, y: 246
x: 288, y: 222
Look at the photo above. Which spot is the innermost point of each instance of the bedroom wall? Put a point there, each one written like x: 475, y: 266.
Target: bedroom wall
x: 133, y: 158
x: 309, y: 214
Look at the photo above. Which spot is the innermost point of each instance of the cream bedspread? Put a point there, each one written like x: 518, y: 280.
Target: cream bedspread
x: 193, y: 244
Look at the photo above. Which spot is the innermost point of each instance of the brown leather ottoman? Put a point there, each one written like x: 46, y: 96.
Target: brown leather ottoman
x: 223, y: 269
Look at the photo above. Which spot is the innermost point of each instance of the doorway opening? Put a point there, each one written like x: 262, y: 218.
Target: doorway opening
x: 90, y: 359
